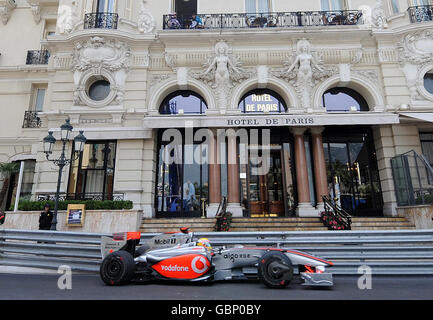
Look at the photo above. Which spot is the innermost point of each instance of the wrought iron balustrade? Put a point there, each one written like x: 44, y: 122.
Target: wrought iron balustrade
x: 264, y: 20
x: 83, y: 196
x: 31, y: 120
x: 331, y: 207
x: 37, y: 57
x: 420, y: 13
x: 101, y: 20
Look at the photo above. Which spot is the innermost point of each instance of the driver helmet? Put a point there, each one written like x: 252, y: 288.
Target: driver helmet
x: 204, y: 242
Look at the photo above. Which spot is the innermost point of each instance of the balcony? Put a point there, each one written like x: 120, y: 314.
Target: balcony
x: 420, y: 13
x: 31, y: 120
x: 37, y: 57
x: 101, y: 20
x: 264, y: 20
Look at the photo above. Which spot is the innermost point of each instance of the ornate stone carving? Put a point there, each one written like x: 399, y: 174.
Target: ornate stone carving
x: 67, y: 17
x: 370, y: 75
x: 98, y: 53
x: 416, y: 48
x: 378, y: 15
x: 36, y: 12
x: 222, y: 72
x: 99, y: 57
x: 416, y: 58
x: 6, y: 7
x: 146, y: 22
x: 304, y: 70
x: 157, y: 78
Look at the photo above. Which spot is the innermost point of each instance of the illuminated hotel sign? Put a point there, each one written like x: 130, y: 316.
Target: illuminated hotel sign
x: 261, y: 103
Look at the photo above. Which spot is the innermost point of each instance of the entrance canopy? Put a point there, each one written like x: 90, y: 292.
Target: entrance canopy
x: 423, y: 116
x: 271, y: 120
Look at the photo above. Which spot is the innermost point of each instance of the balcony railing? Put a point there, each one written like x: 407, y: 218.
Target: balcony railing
x: 37, y: 57
x: 83, y: 196
x: 264, y: 20
x: 420, y: 13
x: 31, y: 120
x: 101, y: 20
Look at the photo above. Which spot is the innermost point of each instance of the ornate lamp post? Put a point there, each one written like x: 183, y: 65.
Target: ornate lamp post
x: 49, y: 141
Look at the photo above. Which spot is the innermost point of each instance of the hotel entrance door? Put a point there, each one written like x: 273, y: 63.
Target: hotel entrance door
x: 267, y: 196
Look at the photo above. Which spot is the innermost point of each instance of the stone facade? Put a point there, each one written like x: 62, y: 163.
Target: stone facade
x: 383, y: 56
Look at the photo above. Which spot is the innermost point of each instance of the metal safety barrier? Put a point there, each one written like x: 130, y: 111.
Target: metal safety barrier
x: 408, y: 252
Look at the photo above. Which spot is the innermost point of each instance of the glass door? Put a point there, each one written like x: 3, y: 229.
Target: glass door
x: 353, y: 177
x: 266, y: 191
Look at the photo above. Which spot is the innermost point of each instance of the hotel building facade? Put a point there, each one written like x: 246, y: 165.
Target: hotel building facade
x: 332, y: 91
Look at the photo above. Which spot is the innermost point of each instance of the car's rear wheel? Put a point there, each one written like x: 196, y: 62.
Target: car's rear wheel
x: 275, y: 270
x: 117, y: 268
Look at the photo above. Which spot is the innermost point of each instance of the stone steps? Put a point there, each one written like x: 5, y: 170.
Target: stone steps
x: 271, y: 224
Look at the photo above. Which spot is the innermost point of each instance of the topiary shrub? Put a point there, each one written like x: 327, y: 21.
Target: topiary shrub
x: 26, y: 205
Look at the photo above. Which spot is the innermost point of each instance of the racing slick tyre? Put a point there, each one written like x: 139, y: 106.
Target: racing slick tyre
x: 117, y: 268
x: 275, y: 270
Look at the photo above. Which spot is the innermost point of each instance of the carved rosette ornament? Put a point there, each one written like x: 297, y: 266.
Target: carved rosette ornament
x: 223, y: 71
x: 416, y: 58
x: 146, y: 22
x: 100, y: 58
x: 304, y: 69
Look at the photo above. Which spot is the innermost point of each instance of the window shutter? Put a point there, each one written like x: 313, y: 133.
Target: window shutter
x: 325, y: 5
x: 263, y: 6
x: 250, y: 6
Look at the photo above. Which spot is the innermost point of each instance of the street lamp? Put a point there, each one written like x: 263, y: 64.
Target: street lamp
x: 48, y: 142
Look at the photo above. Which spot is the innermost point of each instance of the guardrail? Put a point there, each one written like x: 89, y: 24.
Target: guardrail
x: 407, y: 252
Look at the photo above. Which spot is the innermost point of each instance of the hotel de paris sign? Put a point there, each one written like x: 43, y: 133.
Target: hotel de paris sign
x: 209, y: 121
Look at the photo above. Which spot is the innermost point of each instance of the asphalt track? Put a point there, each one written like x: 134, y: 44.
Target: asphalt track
x: 89, y: 286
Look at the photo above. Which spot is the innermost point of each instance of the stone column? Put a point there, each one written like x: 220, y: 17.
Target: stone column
x: 319, y: 166
x: 233, y: 190
x: 214, y: 175
x: 305, y: 209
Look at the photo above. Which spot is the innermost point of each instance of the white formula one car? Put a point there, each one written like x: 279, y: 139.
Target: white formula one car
x: 175, y: 256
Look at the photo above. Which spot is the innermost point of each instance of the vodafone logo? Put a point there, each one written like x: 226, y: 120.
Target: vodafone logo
x: 174, y: 268
x: 199, y: 264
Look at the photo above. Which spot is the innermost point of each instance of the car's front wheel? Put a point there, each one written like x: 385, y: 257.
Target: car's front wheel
x: 117, y: 268
x: 275, y: 269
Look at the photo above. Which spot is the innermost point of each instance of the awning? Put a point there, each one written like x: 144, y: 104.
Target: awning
x: 423, y: 116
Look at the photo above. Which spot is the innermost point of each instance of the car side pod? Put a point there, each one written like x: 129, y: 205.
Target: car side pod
x: 317, y: 279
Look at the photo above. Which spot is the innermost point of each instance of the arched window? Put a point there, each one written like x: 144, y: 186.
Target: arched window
x: 343, y: 99
x: 262, y: 100
x: 183, y: 102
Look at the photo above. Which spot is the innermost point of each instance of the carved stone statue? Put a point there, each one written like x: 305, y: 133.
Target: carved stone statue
x: 67, y: 18
x: 222, y: 71
x: 146, y: 22
x: 303, y: 72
